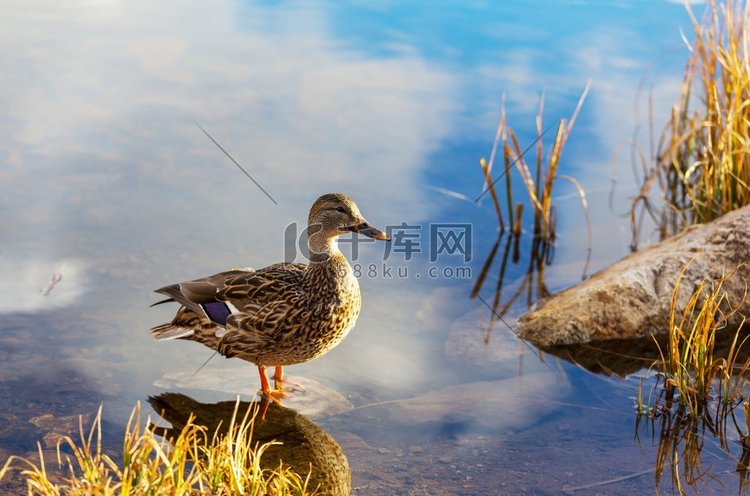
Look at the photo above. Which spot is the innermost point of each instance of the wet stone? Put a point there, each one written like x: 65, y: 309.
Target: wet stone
x: 631, y: 298
x: 56, y: 428
x: 309, y: 397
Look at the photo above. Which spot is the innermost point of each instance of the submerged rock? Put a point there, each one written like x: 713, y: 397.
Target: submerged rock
x: 58, y: 428
x: 309, y: 396
x: 631, y: 298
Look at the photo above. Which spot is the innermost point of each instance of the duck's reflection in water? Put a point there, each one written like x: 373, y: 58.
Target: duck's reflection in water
x: 305, y: 447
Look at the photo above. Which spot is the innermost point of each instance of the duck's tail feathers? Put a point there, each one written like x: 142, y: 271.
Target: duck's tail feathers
x: 175, y: 292
x: 162, y: 301
x: 166, y: 332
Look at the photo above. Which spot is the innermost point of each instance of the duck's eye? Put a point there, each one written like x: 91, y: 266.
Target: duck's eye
x: 341, y: 209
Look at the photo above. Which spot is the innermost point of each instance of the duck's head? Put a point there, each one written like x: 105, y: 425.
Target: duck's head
x: 335, y: 214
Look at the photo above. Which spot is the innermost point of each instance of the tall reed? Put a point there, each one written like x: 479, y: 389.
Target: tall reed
x: 539, y: 187
x: 702, y: 164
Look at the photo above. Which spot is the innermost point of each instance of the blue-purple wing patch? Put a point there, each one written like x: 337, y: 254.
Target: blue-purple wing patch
x: 217, y: 311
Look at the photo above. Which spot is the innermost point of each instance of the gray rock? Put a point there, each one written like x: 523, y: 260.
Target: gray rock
x: 631, y: 298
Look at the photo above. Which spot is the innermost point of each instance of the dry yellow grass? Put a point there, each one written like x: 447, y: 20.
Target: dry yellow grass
x: 539, y: 186
x: 190, y: 464
x: 697, y: 391
x: 702, y: 166
x: 690, y: 368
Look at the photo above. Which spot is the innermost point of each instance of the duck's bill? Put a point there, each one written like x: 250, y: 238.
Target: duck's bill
x: 366, y: 229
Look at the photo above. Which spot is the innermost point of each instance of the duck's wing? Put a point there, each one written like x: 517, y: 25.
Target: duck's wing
x: 252, y: 331
x: 276, y: 308
x: 236, y: 291
x: 188, y: 324
x: 257, y: 288
x: 198, y: 292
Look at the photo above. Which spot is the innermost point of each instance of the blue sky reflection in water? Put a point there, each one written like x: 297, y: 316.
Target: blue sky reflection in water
x: 105, y: 175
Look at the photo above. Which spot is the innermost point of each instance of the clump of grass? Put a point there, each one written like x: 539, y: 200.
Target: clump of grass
x: 690, y: 368
x: 539, y: 186
x: 696, y: 391
x: 190, y: 464
x: 703, y: 162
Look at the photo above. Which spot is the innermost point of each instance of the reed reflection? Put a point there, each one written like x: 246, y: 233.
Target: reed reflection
x: 532, y: 285
x: 299, y: 443
x: 686, y: 444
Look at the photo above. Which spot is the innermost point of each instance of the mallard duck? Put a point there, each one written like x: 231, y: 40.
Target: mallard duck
x: 283, y: 314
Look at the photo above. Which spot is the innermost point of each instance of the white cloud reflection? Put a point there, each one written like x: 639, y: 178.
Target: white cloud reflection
x: 120, y: 84
x: 98, y: 101
x: 24, y: 284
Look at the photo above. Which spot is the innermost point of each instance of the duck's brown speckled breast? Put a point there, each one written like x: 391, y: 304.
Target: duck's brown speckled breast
x: 329, y: 312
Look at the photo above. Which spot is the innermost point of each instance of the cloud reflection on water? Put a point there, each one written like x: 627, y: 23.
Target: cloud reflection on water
x: 107, y: 166
x: 305, y: 114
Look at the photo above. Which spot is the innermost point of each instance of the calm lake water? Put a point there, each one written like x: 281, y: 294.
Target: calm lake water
x: 106, y: 179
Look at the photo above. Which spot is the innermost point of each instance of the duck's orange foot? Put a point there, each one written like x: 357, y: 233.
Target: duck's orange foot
x: 277, y: 394
x: 279, y: 380
x: 288, y: 386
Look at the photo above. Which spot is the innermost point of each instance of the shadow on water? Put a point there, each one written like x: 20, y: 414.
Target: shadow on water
x: 299, y: 443
x: 622, y: 357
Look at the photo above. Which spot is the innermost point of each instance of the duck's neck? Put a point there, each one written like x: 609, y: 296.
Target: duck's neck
x: 321, y: 247
x: 328, y: 271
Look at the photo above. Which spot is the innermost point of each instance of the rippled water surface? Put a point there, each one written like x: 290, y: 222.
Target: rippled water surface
x: 106, y: 179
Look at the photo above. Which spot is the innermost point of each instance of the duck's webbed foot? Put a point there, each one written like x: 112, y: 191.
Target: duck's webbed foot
x: 265, y: 387
x: 279, y: 381
x: 278, y: 392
